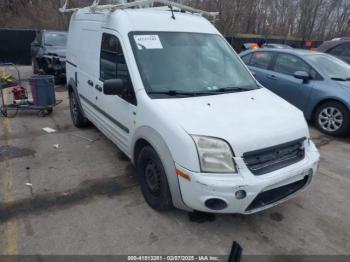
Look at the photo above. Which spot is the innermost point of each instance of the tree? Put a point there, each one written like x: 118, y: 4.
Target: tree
x: 306, y: 19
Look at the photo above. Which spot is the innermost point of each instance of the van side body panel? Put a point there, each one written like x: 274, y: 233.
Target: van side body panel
x: 84, y: 45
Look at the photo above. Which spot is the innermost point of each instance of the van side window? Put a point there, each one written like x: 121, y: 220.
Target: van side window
x: 112, y: 62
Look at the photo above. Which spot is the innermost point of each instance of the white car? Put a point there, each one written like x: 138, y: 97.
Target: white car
x: 173, y: 95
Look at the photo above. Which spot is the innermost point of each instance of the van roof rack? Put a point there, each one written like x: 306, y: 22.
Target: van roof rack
x: 95, y: 7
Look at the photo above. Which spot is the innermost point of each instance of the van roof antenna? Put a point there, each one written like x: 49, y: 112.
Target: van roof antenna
x: 172, y: 12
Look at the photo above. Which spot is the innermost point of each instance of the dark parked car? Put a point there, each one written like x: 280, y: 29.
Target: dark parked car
x: 48, y: 52
x: 338, y: 47
x: 316, y: 83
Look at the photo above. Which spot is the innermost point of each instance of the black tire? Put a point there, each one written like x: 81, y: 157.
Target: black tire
x: 35, y: 66
x: 56, y: 80
x: 332, y: 118
x: 153, y: 180
x: 3, y: 111
x: 77, y: 116
x: 49, y: 110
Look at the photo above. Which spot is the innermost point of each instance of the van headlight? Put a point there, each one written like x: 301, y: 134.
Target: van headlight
x: 215, y: 155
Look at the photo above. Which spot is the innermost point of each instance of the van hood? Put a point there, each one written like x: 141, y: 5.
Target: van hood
x: 248, y: 121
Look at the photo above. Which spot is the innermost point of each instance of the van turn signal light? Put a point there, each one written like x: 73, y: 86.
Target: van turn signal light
x: 183, y: 175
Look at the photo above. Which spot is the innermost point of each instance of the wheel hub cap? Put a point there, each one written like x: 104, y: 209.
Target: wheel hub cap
x: 330, y: 119
x: 153, y: 178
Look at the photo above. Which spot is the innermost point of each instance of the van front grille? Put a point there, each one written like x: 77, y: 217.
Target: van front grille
x: 273, y: 158
x: 271, y: 196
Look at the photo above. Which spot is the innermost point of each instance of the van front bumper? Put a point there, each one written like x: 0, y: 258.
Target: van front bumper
x: 244, y: 192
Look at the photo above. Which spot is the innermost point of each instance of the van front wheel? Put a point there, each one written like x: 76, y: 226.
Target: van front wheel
x: 77, y: 116
x: 153, y: 180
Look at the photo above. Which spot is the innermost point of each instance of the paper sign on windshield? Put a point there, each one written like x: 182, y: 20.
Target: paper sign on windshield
x: 148, y: 42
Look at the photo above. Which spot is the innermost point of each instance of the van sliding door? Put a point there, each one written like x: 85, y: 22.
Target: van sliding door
x: 88, y: 67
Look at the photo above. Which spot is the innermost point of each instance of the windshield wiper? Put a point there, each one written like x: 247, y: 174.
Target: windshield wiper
x: 179, y: 93
x: 340, y: 79
x: 232, y: 89
x: 199, y: 93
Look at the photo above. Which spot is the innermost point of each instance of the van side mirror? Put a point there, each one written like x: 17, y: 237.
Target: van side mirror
x: 302, y: 75
x: 114, y: 87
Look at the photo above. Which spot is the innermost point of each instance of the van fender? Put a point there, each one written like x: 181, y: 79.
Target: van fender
x: 157, y: 142
x: 72, y: 87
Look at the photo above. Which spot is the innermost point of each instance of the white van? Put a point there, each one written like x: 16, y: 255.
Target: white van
x: 173, y: 95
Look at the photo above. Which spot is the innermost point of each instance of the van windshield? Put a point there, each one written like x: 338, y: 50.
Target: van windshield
x: 172, y: 63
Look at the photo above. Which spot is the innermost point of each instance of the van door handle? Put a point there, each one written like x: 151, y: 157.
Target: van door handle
x: 90, y: 83
x: 99, y: 88
x: 272, y: 77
